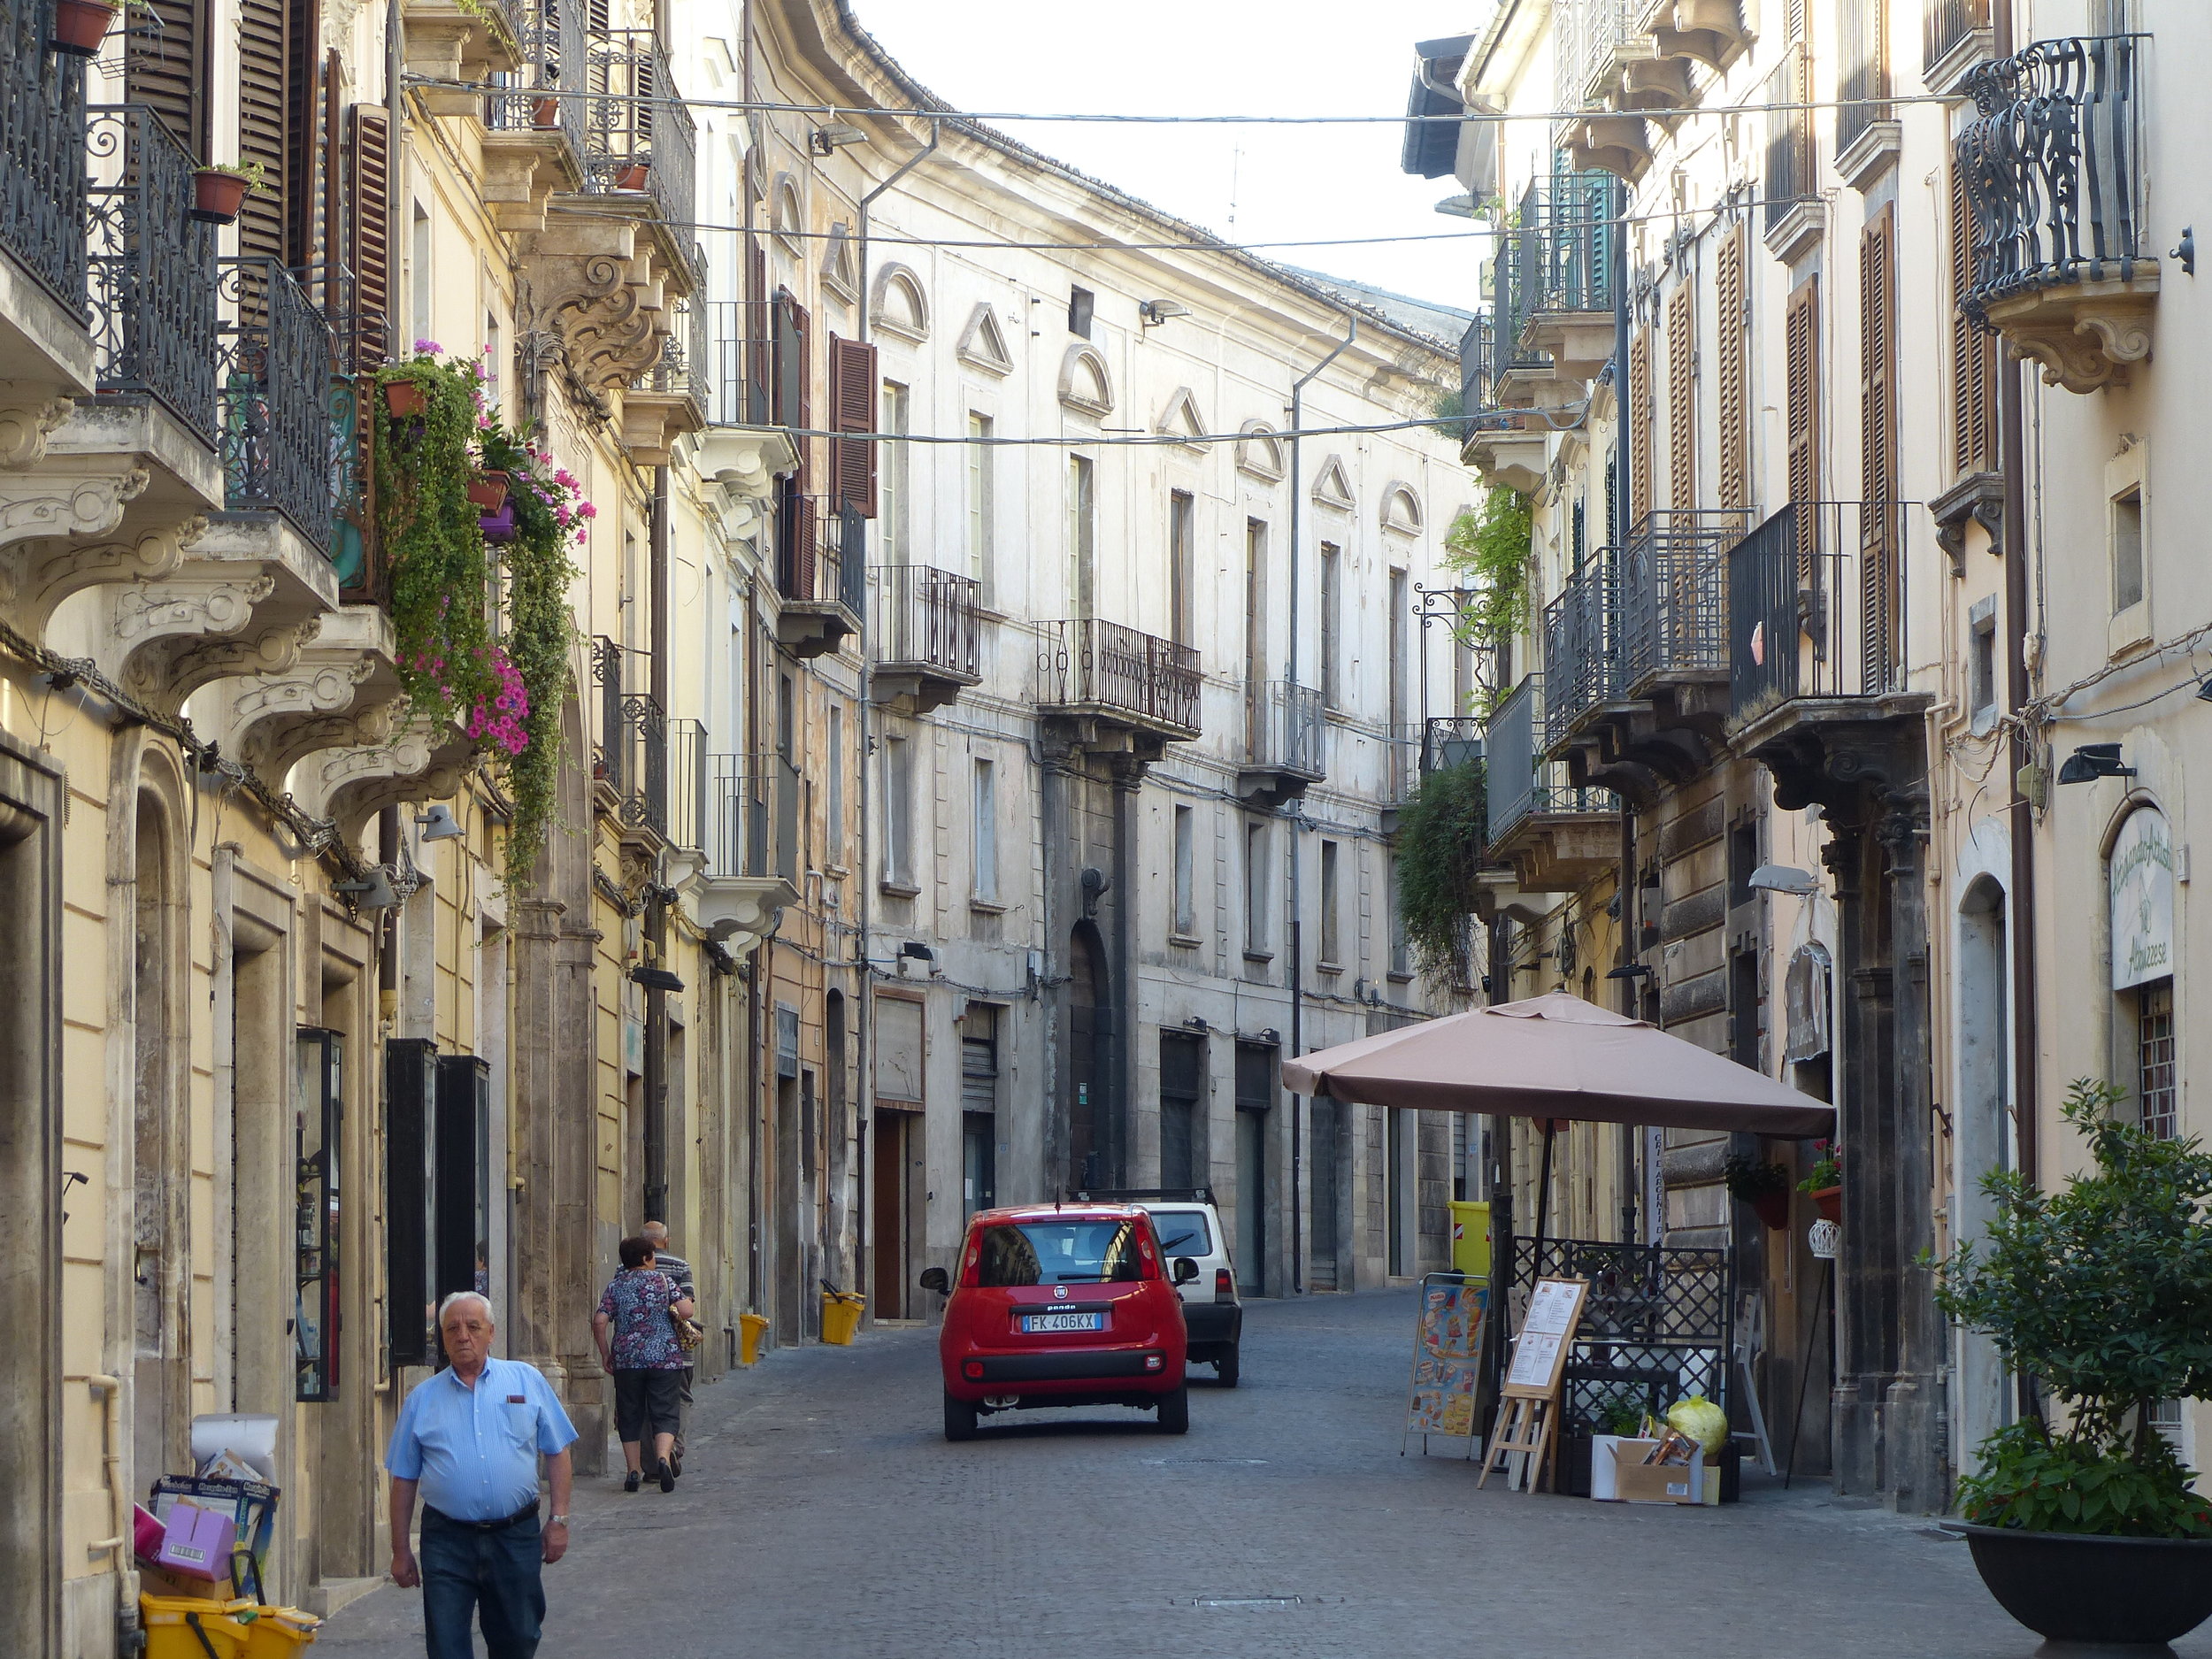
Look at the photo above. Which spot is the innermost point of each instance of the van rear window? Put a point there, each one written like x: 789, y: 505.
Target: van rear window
x: 1059, y: 1253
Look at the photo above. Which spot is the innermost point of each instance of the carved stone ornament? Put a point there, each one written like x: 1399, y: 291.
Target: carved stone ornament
x: 27, y: 415
x: 347, y: 785
x: 747, y: 460
x: 737, y: 912
x: 323, y: 701
x: 36, y: 576
x: 2084, y: 335
x: 85, y: 499
x: 601, y: 287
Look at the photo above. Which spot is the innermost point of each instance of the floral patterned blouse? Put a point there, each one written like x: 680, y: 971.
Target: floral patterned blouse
x: 639, y: 1332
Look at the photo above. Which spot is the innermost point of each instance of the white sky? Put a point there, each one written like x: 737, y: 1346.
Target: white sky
x: 1221, y: 56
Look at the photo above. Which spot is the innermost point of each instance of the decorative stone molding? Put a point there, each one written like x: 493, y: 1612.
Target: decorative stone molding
x: 341, y: 686
x: 1872, y: 155
x: 1798, y: 232
x: 1085, y: 384
x: 898, y: 305
x: 1978, y: 497
x: 1580, y: 343
x: 1179, y: 419
x: 36, y: 576
x: 85, y: 499
x: 522, y: 167
x: 1618, y: 144
x: 747, y: 461
x: 737, y: 912
x: 348, y: 785
x: 603, y: 288
x: 1260, y: 452
x: 454, y: 42
x: 27, y: 414
x: 652, y: 422
x: 1514, y: 458
x: 983, y: 343
x: 2085, y: 334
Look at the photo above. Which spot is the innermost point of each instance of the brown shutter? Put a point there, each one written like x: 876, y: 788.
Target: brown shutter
x: 1735, y: 484
x: 368, y: 230
x: 1878, y: 445
x: 1639, y: 426
x: 263, y: 121
x: 1973, y: 351
x: 1682, y: 397
x: 853, y: 378
x: 758, y: 344
x: 1801, y: 332
x: 165, y: 66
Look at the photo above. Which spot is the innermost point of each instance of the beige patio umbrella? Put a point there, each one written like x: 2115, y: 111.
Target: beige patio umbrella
x: 1557, y: 1056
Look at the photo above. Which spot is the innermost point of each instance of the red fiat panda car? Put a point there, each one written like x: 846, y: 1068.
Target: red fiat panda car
x: 1060, y: 1305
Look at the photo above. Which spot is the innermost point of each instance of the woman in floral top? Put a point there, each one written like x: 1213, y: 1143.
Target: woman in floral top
x: 637, y: 1342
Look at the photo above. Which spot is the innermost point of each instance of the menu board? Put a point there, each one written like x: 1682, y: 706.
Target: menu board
x: 1447, y: 1355
x: 1540, y: 1350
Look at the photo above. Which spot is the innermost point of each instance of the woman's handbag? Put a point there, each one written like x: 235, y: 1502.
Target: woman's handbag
x: 689, y: 1332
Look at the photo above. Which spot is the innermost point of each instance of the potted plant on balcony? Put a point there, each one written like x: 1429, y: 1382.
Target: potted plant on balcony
x: 75, y: 29
x: 2082, y: 1518
x: 546, y: 112
x: 1764, y: 1187
x: 489, y: 490
x: 219, y: 192
x: 633, y: 176
x: 1825, y: 1181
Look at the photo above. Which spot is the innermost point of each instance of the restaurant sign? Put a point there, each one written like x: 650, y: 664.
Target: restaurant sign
x: 2142, y: 900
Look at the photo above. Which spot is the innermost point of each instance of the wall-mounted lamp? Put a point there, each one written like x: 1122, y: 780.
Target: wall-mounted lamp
x: 1154, y: 313
x: 656, y: 978
x: 1197, y: 1022
x: 1630, y: 971
x: 1270, y: 1035
x: 825, y: 140
x: 1783, y: 879
x: 438, y: 823
x: 373, y: 892
x: 2093, y: 761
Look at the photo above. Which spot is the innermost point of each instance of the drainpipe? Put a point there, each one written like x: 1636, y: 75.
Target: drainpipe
x: 129, y: 1637
x: 655, y: 1082
x: 1630, y: 921
x: 1297, y: 862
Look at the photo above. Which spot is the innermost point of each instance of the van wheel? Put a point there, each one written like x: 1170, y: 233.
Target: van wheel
x: 959, y: 1419
x: 1175, y: 1411
x: 1225, y: 1369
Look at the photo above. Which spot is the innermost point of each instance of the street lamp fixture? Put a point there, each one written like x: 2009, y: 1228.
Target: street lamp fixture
x: 2093, y: 761
x: 1457, y: 207
x: 1783, y: 879
x: 1154, y: 313
x: 438, y: 823
x: 825, y: 141
x: 1630, y: 971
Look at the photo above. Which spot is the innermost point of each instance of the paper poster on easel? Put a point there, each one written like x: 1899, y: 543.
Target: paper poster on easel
x: 1527, y: 1428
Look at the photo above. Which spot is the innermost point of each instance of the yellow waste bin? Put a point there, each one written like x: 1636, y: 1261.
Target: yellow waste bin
x: 840, y: 1315
x: 279, y: 1633
x: 1470, y: 1239
x: 749, y: 1327
x: 170, y: 1623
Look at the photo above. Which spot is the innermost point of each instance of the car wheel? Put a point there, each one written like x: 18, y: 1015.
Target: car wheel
x: 959, y: 1419
x: 1175, y: 1411
x: 1225, y: 1367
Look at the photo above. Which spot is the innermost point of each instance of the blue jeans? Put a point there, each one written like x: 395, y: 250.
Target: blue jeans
x: 493, y: 1574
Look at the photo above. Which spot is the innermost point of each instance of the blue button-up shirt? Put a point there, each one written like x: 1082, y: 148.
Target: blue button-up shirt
x: 475, y: 1450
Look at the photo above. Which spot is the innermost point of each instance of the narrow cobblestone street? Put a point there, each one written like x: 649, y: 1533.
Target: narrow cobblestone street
x: 823, y: 1515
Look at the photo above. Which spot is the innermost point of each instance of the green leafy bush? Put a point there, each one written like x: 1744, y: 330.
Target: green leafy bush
x: 1750, y: 1177
x: 1441, y: 836
x: 1492, y: 548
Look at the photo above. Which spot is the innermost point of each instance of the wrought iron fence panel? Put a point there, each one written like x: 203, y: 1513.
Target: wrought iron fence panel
x: 1817, y: 605
x: 1673, y: 593
x: 740, y: 345
x: 42, y: 155
x: 1085, y: 661
x: 1450, y: 739
x: 687, y: 791
x: 1509, y: 745
x: 1288, y: 730
x: 1790, y: 177
x: 928, y: 616
x: 279, y: 438
x: 2052, y: 171
x: 638, y: 135
x: 1580, y: 667
x: 151, y: 267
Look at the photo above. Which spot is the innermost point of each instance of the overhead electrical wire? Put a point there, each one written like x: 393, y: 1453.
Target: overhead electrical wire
x: 1130, y: 438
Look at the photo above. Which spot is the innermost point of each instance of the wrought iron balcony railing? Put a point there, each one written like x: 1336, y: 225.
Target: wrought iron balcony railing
x: 1451, y: 739
x: 742, y: 346
x: 1518, y: 781
x: 2052, y: 167
x: 750, y: 816
x: 1085, y: 665
x: 1286, y: 730
x: 639, y: 136
x: 687, y: 361
x: 1582, y: 669
x: 631, y: 757
x: 553, y: 53
x: 929, y: 620
x: 1672, y: 585
x: 152, y: 267
x: 1557, y: 258
x: 41, y: 155
x: 821, y: 553
x: 1945, y: 24
x: 285, y: 412
x: 687, y: 784
x: 1817, y: 605
x: 1790, y: 178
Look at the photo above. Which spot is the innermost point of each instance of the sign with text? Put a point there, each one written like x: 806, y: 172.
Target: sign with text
x: 2142, y: 877
x: 1539, y: 1352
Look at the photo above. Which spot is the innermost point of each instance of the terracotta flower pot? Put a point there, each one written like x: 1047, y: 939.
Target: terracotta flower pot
x: 489, y: 491
x: 1773, y: 1208
x: 632, y: 177
x: 77, y: 27
x: 217, y: 195
x: 546, y: 112
x: 403, y: 398
x: 1829, y: 1201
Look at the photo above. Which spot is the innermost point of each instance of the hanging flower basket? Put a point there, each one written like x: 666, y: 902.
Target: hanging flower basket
x: 218, y: 193
x: 1773, y: 1209
x: 489, y: 490
x: 499, y: 526
x: 76, y: 27
x: 403, y: 399
x: 1829, y: 1201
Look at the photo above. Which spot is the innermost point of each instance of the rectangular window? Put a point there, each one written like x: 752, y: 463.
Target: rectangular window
x: 834, y: 791
x: 1331, y: 944
x: 898, y: 811
x: 1682, y: 396
x: 1082, y: 532
x: 1400, y: 953
x: 1397, y: 624
x: 982, y: 506
x: 1182, y: 574
x: 1182, y: 1074
x: 419, y: 276
x: 1080, y: 301
x: 2127, y: 550
x: 1981, y: 675
x: 1255, y: 622
x: 1331, y: 603
x: 890, y: 506
x: 985, y: 805
x: 1186, y: 920
x: 1256, y: 887
x: 2155, y: 1083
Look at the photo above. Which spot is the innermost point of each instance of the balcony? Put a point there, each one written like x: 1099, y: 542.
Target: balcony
x: 1710, y: 32
x: 533, y: 138
x: 1505, y: 447
x: 2054, y: 179
x: 1581, y: 651
x: 1113, y: 689
x: 1285, y: 737
x: 638, y: 137
x: 460, y: 43
x: 821, y: 574
x: 749, y: 847
x: 928, y: 638
x: 278, y: 443
x: 151, y: 269
x: 41, y: 206
x: 1554, y: 301
x: 670, y: 402
x: 1796, y: 215
x: 630, y: 758
x: 1956, y: 37
x: 1555, y: 836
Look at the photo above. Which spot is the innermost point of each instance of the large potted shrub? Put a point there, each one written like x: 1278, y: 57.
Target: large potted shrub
x: 2083, y: 1520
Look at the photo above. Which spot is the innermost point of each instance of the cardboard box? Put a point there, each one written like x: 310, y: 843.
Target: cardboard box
x: 197, y: 1542
x: 1634, y: 1481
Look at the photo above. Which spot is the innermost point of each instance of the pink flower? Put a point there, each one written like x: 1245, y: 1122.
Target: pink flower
x: 587, y: 510
x: 427, y: 348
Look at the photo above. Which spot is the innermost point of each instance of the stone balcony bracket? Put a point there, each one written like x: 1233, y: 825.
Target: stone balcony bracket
x: 653, y: 422
x: 446, y: 42
x: 1580, y: 343
x: 36, y: 576
x: 1563, y: 851
x: 1978, y: 498
x: 606, y: 290
x: 29, y: 413
x: 390, y: 768
x: 747, y: 461
x: 1499, y: 893
x: 338, y: 695
x: 1713, y: 31
x: 1616, y: 143
x: 2085, y: 336
x: 1656, y: 83
x: 737, y: 912
x: 1513, y: 458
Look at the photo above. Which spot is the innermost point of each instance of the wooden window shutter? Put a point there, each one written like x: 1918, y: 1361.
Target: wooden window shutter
x: 368, y: 234
x: 265, y: 57
x: 1878, y: 446
x: 166, y: 67
x: 1682, y: 398
x: 1801, y: 336
x: 853, y: 380
x: 758, y: 344
x: 1639, y: 426
x: 1973, y: 351
x: 1735, y: 484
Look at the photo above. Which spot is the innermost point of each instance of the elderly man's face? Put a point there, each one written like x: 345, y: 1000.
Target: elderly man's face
x: 467, y: 1328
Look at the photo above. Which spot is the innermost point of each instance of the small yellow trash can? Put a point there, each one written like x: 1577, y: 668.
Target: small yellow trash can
x: 279, y: 1633
x: 1470, y: 1239
x: 840, y: 1315
x: 750, y: 1327
x: 169, y: 1621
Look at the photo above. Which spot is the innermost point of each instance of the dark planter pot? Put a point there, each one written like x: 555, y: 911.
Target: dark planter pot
x: 632, y: 177
x: 217, y: 195
x: 1829, y: 1201
x: 499, y: 525
x: 76, y: 27
x: 404, y: 398
x: 489, y: 492
x: 1773, y: 1208
x: 2117, y: 1591
x: 1576, y: 1447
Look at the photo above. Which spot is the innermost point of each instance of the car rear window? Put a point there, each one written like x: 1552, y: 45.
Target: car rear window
x: 1183, y: 1233
x: 1058, y: 1253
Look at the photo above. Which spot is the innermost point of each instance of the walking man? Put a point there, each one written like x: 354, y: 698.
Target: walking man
x: 656, y: 1233
x: 469, y: 1439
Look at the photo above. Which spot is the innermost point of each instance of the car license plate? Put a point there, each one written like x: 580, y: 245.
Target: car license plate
x: 1040, y: 1322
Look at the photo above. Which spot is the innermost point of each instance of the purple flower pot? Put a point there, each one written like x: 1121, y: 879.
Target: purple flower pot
x: 499, y: 527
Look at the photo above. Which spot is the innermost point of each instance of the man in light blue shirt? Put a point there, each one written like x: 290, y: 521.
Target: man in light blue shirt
x: 469, y: 1440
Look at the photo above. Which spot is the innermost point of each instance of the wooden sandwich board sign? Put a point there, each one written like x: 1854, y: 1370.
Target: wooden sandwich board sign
x: 1527, y: 1429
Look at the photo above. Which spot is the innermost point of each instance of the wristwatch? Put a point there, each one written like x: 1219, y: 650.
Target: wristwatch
x: 556, y: 1520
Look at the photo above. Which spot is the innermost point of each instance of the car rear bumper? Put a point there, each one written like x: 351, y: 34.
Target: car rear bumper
x: 1211, y: 1324
x: 1080, y: 1375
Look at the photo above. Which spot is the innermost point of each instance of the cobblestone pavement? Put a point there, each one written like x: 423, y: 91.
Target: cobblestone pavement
x: 823, y: 1514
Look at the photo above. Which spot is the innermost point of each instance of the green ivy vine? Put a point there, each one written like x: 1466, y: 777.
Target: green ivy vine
x: 1442, y: 832
x: 1490, y: 546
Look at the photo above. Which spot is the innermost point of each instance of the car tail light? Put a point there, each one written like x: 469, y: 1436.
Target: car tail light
x: 1225, y: 1285
x: 1153, y: 1362
x: 973, y: 1369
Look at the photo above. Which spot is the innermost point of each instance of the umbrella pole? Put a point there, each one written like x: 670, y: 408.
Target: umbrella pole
x: 1543, y: 1182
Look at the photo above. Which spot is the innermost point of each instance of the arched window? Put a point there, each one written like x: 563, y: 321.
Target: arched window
x: 1084, y: 383
x: 2139, y: 873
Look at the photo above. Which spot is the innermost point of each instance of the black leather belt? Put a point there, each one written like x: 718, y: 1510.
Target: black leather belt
x: 515, y: 1520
